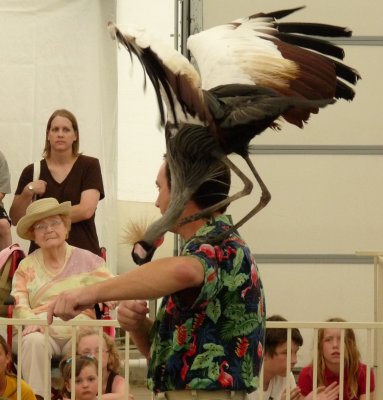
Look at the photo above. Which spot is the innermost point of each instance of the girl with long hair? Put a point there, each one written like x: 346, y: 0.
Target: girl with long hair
x: 329, y: 341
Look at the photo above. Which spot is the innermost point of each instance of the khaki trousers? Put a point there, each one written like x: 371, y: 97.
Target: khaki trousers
x: 202, y: 395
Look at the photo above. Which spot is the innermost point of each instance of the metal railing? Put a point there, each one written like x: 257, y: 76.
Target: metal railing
x: 370, y: 360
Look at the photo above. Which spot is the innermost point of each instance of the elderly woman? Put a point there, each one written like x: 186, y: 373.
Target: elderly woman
x: 41, y: 276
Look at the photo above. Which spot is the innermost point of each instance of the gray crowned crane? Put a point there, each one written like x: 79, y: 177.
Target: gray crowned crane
x: 252, y: 74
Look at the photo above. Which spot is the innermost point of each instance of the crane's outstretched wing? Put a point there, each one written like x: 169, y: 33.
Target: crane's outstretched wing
x: 286, y: 57
x: 175, y: 80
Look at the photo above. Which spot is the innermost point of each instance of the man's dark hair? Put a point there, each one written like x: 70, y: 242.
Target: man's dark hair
x: 211, y: 191
x: 277, y: 336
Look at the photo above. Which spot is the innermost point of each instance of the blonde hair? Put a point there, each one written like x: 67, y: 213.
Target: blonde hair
x: 351, y: 358
x: 65, y: 114
x: 114, y: 362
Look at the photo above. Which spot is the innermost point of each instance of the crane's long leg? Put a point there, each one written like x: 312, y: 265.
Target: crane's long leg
x: 263, y: 201
x: 247, y: 188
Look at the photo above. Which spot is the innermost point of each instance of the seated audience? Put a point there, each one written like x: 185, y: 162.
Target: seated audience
x: 40, y: 277
x: 88, y: 343
x: 275, y: 367
x: 329, y: 365
x: 8, y: 381
x: 86, y: 383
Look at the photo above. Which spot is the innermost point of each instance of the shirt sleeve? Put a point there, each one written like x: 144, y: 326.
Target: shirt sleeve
x: 25, y: 177
x: 305, y: 381
x: 5, y: 185
x: 92, y: 178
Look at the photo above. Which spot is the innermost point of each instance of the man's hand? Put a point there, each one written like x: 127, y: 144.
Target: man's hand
x: 70, y: 303
x: 131, y: 314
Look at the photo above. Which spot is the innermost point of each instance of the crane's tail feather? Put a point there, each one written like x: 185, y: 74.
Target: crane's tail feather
x: 312, y: 43
x: 314, y: 29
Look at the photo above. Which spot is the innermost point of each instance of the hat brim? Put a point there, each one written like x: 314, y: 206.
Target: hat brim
x: 24, y: 225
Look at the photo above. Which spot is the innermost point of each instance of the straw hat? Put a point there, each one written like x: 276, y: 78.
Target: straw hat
x: 39, y: 210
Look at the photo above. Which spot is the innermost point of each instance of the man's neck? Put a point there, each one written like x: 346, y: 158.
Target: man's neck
x: 189, y: 230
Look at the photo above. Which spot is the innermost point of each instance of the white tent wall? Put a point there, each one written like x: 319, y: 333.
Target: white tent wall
x: 58, y: 54
x: 141, y: 140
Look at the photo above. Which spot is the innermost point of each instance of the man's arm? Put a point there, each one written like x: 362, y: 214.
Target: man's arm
x: 151, y: 280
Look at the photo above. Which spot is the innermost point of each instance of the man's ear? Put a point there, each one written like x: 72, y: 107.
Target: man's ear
x: 67, y: 386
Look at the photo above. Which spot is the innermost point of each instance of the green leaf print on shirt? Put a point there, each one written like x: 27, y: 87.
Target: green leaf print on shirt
x: 213, y: 310
x: 242, y: 326
x: 205, y: 359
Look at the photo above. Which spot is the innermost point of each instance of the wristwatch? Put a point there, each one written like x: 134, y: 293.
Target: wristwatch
x: 30, y: 187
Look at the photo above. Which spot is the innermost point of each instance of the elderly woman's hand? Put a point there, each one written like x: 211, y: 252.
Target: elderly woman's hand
x: 33, y: 328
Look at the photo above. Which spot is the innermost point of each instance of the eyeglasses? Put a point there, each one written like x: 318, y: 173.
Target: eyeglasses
x: 42, y: 227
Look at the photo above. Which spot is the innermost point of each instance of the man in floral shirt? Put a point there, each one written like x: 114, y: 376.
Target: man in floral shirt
x: 207, y: 339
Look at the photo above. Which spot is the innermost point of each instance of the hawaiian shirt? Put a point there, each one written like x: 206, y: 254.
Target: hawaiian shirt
x: 211, y: 337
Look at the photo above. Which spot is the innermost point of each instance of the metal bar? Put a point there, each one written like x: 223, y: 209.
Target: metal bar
x: 315, y: 364
x: 317, y: 149
x: 176, y: 24
x: 341, y: 367
x: 361, y: 40
x: 312, y: 259
x: 368, y: 365
x: 288, y: 366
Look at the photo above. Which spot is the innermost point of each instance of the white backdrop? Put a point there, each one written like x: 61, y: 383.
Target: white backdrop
x: 141, y: 140
x: 58, y: 54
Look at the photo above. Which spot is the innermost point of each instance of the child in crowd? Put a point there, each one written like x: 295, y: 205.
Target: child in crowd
x: 8, y: 381
x: 274, y: 363
x: 275, y: 376
x: 86, y: 377
x: 113, y: 384
x: 329, y: 365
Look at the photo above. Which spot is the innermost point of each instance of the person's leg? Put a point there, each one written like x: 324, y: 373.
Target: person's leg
x: 33, y: 359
